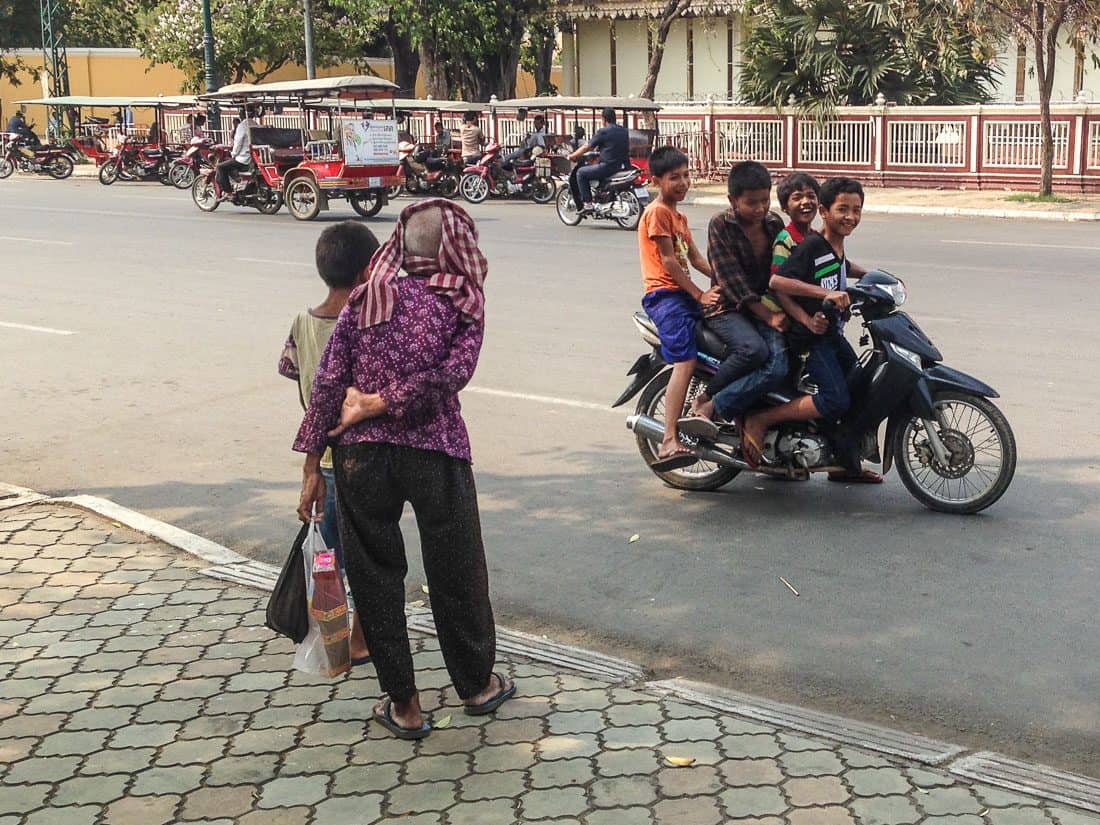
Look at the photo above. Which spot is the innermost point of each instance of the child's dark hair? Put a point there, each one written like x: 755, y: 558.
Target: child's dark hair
x: 747, y: 175
x: 664, y: 159
x: 839, y: 186
x: 344, y: 250
x: 796, y: 183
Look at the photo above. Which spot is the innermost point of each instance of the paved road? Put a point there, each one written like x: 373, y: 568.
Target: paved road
x: 981, y: 629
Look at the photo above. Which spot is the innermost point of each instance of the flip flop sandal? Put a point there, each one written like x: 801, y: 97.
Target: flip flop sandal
x: 498, y: 699
x: 676, y: 461
x: 698, y: 427
x: 862, y: 477
x: 752, y: 456
x: 386, y: 720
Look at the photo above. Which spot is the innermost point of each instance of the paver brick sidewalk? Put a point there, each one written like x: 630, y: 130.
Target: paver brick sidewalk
x: 136, y: 691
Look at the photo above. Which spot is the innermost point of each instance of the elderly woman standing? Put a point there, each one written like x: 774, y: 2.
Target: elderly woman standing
x: 404, y: 346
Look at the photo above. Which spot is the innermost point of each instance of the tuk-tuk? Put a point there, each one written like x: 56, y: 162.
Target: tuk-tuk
x: 332, y: 151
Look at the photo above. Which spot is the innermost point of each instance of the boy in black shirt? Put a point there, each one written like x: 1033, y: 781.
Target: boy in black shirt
x: 817, y: 270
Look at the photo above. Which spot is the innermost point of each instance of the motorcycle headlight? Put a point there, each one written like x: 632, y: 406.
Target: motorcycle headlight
x: 897, y: 292
x: 907, y: 354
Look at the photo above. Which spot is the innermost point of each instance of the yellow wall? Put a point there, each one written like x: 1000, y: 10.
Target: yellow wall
x: 125, y: 73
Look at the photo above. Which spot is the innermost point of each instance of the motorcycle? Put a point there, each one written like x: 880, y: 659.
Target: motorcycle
x: 621, y: 198
x: 136, y: 161
x: 251, y: 190
x: 427, y: 175
x: 40, y: 160
x: 954, y: 449
x: 529, y: 179
x: 200, y: 153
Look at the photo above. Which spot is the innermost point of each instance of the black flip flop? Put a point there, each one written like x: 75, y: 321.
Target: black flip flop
x: 674, y: 462
x: 498, y: 699
x: 698, y: 427
x: 386, y: 720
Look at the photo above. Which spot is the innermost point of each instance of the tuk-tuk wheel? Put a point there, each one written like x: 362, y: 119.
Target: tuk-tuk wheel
x: 367, y: 203
x: 303, y: 199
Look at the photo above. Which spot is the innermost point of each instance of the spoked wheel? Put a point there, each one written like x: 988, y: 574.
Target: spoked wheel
x: 61, y: 167
x: 627, y: 210
x: 702, y: 475
x: 367, y: 203
x: 567, y: 207
x: 204, y: 194
x: 164, y: 174
x: 448, y: 186
x: 269, y: 201
x: 982, y: 455
x: 181, y: 175
x: 6, y: 168
x: 474, y: 188
x: 393, y: 191
x: 108, y: 172
x: 543, y: 190
x: 303, y: 199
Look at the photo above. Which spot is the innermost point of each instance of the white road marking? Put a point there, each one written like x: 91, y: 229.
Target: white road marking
x: 30, y: 328
x: 543, y: 399
x: 34, y: 240
x: 270, y: 261
x: 1025, y: 245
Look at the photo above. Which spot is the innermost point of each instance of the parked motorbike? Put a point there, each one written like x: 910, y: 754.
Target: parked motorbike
x: 954, y: 449
x: 40, y: 160
x: 621, y: 198
x: 528, y: 179
x: 136, y: 161
x: 201, y: 153
x: 248, y: 189
x: 427, y: 175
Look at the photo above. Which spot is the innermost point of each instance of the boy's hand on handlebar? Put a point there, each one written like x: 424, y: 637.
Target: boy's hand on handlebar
x: 819, y: 324
x: 842, y: 299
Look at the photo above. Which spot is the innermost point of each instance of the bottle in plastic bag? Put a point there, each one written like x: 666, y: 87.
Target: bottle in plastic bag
x: 329, y: 608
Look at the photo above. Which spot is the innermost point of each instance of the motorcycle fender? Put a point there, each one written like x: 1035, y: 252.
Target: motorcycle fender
x: 645, y: 369
x: 942, y: 377
x: 893, y: 423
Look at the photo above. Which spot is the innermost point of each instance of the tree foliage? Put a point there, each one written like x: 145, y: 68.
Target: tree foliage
x: 827, y: 53
x: 536, y: 54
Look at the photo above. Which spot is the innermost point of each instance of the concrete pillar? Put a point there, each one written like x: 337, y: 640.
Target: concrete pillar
x: 568, y: 63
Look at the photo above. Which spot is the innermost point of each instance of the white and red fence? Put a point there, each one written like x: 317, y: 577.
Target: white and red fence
x: 952, y: 147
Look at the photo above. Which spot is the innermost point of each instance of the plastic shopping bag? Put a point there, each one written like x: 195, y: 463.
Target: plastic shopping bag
x: 288, y: 607
x: 325, y: 651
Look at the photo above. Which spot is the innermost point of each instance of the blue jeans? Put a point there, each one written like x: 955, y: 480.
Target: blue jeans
x: 831, y: 359
x: 738, y: 397
x: 587, y: 174
x: 330, y: 527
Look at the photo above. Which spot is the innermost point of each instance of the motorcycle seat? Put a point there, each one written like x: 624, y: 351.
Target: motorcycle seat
x: 708, y: 342
x: 622, y: 177
x: 435, y: 164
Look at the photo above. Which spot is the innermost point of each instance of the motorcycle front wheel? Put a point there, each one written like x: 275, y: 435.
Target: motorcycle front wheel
x: 629, y: 208
x: 543, y: 190
x: 108, y: 172
x: 203, y: 193
x: 6, y: 168
x: 60, y: 167
x: 181, y: 174
x: 474, y: 188
x: 982, y: 458
x: 701, y: 476
x: 567, y: 209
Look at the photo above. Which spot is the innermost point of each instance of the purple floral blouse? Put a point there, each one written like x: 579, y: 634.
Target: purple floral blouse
x: 417, y: 361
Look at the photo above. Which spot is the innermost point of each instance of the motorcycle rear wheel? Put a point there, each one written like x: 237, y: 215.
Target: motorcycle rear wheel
x: 702, y: 476
x: 109, y: 172
x: 6, y: 168
x: 629, y: 201
x: 61, y: 167
x: 269, y: 201
x: 543, y: 190
x: 474, y: 187
x: 567, y: 209
x: 448, y: 186
x: 983, y: 455
x: 181, y: 175
x: 204, y: 194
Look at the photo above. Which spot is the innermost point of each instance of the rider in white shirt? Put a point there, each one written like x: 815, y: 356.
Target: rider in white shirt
x: 241, y: 155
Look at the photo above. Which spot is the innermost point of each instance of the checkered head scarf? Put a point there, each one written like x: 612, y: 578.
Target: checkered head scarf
x: 458, y: 272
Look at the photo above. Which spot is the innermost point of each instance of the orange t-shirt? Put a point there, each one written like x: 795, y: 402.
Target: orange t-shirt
x: 658, y: 221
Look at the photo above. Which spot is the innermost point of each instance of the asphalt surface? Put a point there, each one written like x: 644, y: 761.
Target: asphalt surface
x: 982, y: 629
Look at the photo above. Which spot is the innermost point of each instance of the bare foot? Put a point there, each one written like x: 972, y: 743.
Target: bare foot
x: 497, y: 683
x: 406, y: 714
x: 672, y: 447
x: 358, y: 644
x: 703, y: 407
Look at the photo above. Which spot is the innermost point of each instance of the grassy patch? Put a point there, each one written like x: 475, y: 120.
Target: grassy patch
x: 1030, y: 197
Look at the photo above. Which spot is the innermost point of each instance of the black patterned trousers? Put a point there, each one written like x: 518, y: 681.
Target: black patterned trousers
x: 373, y: 482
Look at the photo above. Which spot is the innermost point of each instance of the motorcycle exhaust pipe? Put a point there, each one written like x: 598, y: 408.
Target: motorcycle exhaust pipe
x: 654, y: 430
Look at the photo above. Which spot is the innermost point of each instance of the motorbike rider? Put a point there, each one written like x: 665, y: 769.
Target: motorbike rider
x: 472, y: 138
x: 17, y: 125
x: 534, y: 139
x: 240, y: 158
x: 442, y: 143
x: 613, y: 141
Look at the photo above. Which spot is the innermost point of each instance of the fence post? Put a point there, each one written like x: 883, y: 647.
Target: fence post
x: 791, y: 143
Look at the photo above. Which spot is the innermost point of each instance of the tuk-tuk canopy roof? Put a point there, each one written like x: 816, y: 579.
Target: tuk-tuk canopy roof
x: 404, y: 104
x: 638, y: 104
x: 348, y: 87
x: 160, y: 102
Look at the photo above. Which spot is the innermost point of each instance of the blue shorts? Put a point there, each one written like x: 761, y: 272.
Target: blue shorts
x: 675, y: 313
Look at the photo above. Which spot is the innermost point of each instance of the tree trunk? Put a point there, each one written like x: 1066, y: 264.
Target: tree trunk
x: 544, y: 62
x: 674, y: 10
x: 406, y: 59
x: 436, y: 83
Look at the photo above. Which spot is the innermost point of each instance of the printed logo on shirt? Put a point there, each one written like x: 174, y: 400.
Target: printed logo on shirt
x: 681, y: 246
x: 825, y: 266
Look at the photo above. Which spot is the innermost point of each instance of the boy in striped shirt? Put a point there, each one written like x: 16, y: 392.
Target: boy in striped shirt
x: 817, y: 270
x: 798, y: 194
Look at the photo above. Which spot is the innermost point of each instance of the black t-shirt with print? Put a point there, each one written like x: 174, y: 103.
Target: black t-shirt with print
x: 814, y: 262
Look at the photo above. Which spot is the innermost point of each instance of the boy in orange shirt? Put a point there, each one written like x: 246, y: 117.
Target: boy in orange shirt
x: 672, y: 300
